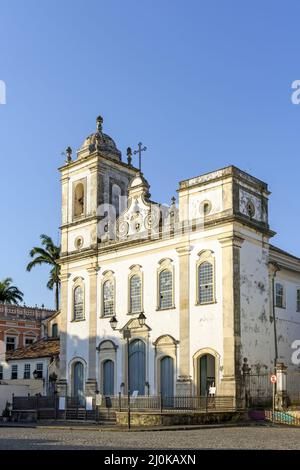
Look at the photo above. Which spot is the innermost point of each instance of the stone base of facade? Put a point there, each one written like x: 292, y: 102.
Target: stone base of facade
x: 184, y: 386
x: 91, y: 388
x: 229, y: 386
x: 168, y: 419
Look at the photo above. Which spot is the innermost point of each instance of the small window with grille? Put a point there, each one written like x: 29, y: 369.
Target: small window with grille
x: 78, y: 303
x: 205, y: 283
x: 279, y: 294
x: 165, y: 289
x: 298, y: 300
x: 108, y: 298
x: 135, y: 294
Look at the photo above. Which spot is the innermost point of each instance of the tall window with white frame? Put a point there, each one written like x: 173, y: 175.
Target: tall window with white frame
x: 298, y: 300
x: 205, y: 283
x: 108, y: 298
x: 11, y: 342
x: 279, y: 295
x: 78, y: 313
x: 39, y: 370
x: 135, y: 294
x: 14, y: 372
x: 165, y: 289
x: 27, y: 371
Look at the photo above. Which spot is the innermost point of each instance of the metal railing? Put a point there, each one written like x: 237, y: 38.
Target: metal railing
x: 158, y: 403
x: 282, y: 417
x: 293, y: 387
x: 33, y: 403
x: 170, y: 404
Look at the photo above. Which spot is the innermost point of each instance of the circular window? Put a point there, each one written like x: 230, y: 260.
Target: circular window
x: 78, y: 243
x: 250, y: 209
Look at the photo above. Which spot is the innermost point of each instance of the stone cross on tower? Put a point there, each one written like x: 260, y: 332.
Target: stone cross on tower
x: 139, y: 151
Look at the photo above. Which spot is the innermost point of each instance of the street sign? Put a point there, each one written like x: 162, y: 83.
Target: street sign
x: 273, y: 379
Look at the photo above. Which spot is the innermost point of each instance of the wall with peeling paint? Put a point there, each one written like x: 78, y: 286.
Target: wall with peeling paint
x: 256, y: 325
x: 288, y: 319
x: 257, y: 329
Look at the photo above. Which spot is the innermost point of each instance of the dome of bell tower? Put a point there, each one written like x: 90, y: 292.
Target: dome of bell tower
x: 100, y: 142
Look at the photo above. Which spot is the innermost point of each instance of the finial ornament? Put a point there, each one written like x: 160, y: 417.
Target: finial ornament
x: 69, y: 154
x: 98, y: 135
x: 129, y: 156
x: 99, y: 122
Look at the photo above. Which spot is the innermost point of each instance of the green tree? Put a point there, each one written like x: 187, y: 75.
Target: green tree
x: 9, y: 294
x: 49, y: 254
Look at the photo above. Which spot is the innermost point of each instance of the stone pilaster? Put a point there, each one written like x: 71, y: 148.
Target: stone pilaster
x: 62, y: 383
x: 184, y: 382
x: 91, y: 383
x: 231, y: 303
x: 281, y: 397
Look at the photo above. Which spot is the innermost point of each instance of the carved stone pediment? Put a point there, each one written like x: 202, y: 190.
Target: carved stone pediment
x: 142, y: 217
x: 133, y: 324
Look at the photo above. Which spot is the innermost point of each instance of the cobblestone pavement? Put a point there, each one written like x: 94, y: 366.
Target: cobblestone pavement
x: 254, y: 437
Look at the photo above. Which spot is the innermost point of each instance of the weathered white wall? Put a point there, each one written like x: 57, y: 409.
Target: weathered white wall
x: 256, y: 310
x: 256, y: 326
x: 288, y: 319
x: 7, y: 392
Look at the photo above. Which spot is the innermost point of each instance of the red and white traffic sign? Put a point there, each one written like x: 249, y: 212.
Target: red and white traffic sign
x: 273, y: 379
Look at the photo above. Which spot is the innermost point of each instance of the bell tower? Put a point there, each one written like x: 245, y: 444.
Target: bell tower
x: 94, y: 186
x: 91, y: 183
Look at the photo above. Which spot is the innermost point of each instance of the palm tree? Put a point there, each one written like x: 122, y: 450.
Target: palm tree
x: 9, y: 294
x: 49, y: 253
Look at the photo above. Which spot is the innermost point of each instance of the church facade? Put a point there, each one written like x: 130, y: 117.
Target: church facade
x: 180, y: 296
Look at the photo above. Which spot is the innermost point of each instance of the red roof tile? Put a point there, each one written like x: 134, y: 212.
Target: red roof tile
x: 43, y: 348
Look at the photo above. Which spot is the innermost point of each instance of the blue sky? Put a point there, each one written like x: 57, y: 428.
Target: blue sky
x: 203, y: 84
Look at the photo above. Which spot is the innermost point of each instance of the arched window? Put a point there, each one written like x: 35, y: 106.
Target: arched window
x: 78, y: 303
x: 108, y: 298
x: 135, y: 294
x: 205, y: 283
x: 79, y: 200
x: 116, y: 198
x: 165, y: 289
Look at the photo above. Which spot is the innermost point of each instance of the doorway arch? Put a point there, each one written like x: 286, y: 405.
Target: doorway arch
x: 207, y: 373
x: 206, y: 366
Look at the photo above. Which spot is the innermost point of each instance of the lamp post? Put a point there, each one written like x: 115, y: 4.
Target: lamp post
x: 127, y: 336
